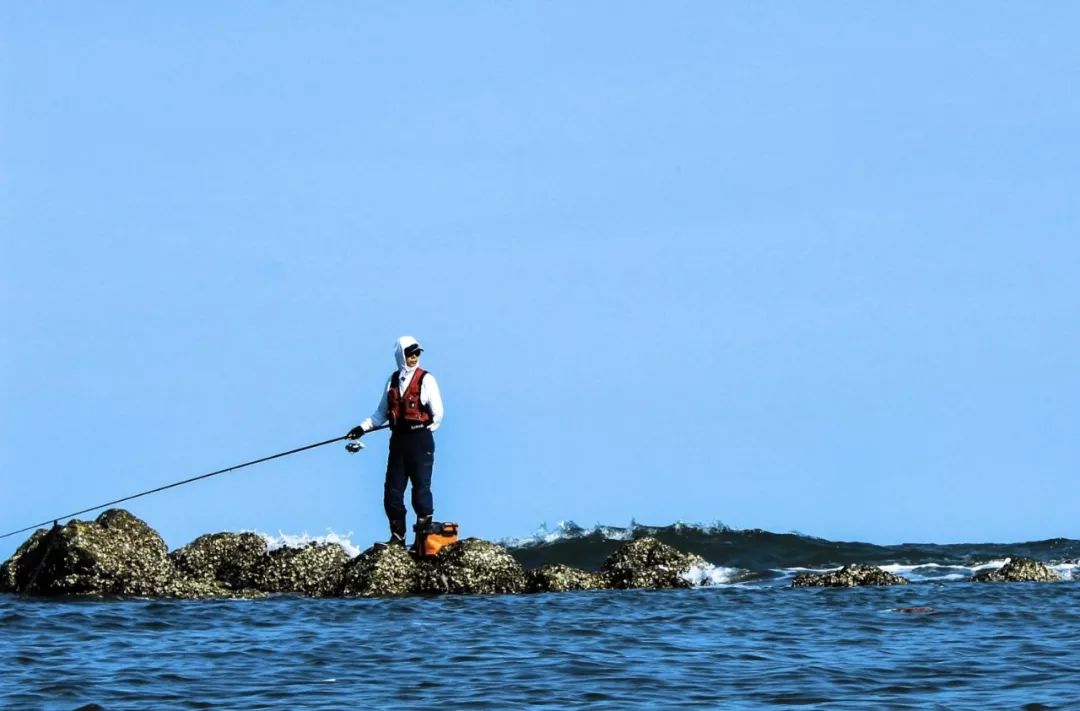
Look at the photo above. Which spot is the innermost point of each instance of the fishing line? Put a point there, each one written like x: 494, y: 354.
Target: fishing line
x: 185, y: 481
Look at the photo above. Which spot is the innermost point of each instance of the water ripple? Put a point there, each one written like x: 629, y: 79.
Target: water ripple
x: 726, y: 647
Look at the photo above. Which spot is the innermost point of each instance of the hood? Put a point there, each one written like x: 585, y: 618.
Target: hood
x: 399, y: 352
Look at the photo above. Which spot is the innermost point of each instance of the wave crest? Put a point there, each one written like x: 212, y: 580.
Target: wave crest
x: 760, y: 555
x: 299, y: 540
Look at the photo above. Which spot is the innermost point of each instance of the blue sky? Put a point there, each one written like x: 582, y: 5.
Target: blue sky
x: 791, y: 266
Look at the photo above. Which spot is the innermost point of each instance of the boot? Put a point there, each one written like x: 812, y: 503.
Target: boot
x: 421, y: 529
x: 397, y: 533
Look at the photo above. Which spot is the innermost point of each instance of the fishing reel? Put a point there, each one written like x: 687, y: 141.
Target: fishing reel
x: 353, y: 447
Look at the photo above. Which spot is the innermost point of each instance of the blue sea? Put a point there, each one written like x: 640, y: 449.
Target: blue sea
x: 742, y: 639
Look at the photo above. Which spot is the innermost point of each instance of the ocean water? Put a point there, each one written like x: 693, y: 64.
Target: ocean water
x: 742, y: 639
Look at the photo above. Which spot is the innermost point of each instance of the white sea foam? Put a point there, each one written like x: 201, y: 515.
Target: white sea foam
x: 1067, y: 571
x: 934, y: 572
x: 709, y: 575
x: 801, y: 570
x: 563, y: 530
x: 924, y: 572
x: 614, y: 533
x: 299, y: 540
x: 929, y: 572
x: 990, y: 564
x: 568, y: 530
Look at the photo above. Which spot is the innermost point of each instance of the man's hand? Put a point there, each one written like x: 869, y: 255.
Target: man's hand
x: 356, y: 432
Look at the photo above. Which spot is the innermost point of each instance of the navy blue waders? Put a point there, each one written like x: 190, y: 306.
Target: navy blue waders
x: 411, y: 458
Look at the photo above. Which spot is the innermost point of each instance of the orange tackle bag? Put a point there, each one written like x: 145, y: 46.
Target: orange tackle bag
x: 434, y: 538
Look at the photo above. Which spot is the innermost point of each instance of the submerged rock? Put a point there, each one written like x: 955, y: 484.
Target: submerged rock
x: 648, y: 563
x: 116, y: 554
x: 557, y: 577
x: 232, y: 559
x: 1018, y: 570
x: 314, y: 569
x: 471, y: 566
x: 380, y: 570
x: 849, y: 576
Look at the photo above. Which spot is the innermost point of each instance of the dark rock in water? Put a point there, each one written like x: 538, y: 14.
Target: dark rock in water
x: 1018, y: 570
x: 557, y: 577
x: 232, y: 559
x: 472, y: 566
x: 314, y: 569
x: 648, y: 563
x: 91, y: 707
x: 117, y: 554
x: 849, y: 576
x: 378, y: 571
x: 17, y: 570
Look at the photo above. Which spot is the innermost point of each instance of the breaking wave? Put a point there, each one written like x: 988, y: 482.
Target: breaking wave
x: 737, y: 557
x: 299, y: 540
x: 755, y: 555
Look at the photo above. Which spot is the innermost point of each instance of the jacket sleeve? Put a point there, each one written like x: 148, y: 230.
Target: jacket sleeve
x: 431, y: 398
x: 379, y: 417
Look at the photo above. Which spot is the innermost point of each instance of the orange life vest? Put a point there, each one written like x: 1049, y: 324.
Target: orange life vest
x: 405, y: 408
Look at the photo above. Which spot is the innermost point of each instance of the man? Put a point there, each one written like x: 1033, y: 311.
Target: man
x: 411, y: 403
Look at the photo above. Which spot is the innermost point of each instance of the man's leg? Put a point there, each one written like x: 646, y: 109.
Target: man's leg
x: 394, y: 489
x: 419, y: 462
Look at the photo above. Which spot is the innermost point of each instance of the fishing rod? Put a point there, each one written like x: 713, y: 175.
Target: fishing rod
x: 352, y: 447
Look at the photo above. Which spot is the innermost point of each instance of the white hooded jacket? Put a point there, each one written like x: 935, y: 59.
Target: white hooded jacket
x: 430, y: 397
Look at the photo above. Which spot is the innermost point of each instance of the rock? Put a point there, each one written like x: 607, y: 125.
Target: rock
x: 1018, y: 570
x: 117, y: 554
x: 849, y: 576
x: 379, y: 571
x: 232, y: 559
x: 648, y: 563
x: 314, y: 569
x: 471, y: 566
x: 14, y: 575
x: 557, y: 577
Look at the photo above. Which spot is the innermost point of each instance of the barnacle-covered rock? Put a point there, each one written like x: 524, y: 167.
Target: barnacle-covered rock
x: 556, y: 577
x: 472, y: 566
x: 233, y: 559
x: 378, y: 571
x: 314, y: 569
x: 14, y: 575
x: 1018, y: 570
x: 849, y: 576
x: 648, y: 563
x: 116, y: 554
